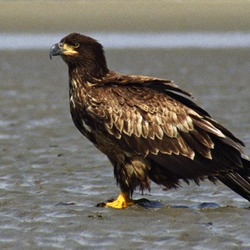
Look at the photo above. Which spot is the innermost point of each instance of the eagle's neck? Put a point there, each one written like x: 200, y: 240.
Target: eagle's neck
x: 88, y: 71
x: 79, y: 79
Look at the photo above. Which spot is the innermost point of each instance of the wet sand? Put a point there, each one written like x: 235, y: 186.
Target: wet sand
x: 133, y: 16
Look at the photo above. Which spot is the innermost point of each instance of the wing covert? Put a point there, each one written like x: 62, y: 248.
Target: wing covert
x: 148, y: 122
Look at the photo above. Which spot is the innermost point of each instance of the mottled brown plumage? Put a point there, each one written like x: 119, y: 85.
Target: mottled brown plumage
x: 148, y: 127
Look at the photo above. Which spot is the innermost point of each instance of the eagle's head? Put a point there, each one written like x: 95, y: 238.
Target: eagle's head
x: 81, y: 52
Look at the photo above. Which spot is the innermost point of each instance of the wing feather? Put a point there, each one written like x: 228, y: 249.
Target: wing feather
x: 151, y: 116
x: 149, y: 122
x: 145, y: 128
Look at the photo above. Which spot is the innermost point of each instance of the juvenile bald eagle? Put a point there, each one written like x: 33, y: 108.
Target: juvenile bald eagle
x: 148, y: 127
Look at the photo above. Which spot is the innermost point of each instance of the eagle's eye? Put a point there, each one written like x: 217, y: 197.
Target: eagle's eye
x: 75, y: 44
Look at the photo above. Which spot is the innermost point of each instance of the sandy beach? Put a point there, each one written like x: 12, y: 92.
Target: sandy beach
x: 133, y: 16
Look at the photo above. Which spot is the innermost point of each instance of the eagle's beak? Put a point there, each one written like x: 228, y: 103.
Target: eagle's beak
x: 62, y: 49
x: 56, y: 50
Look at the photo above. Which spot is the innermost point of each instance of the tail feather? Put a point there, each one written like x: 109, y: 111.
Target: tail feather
x: 239, y: 181
x: 246, y: 167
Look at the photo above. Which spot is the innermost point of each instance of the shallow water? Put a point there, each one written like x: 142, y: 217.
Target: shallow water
x: 46, y: 163
x: 125, y: 40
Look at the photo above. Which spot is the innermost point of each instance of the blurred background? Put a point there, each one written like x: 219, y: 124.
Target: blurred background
x: 51, y: 177
x: 117, y: 15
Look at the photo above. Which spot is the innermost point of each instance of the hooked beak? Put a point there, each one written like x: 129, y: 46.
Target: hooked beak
x: 62, y: 49
x: 55, y: 50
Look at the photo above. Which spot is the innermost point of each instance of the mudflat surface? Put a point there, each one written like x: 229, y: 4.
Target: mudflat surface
x: 46, y: 163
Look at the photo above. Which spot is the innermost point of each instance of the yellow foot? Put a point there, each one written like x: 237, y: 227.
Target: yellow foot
x: 122, y: 201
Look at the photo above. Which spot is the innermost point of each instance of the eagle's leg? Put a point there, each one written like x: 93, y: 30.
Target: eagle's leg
x: 122, y: 201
